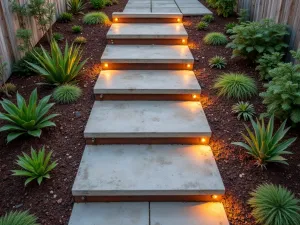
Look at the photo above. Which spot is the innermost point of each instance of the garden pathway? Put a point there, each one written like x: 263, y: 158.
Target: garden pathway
x: 147, y: 161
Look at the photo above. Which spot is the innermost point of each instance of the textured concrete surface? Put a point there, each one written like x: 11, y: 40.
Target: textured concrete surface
x: 147, y: 119
x: 147, y: 82
x: 109, y: 170
x: 146, y: 15
x: 151, y: 31
x: 147, y: 54
x: 187, y: 214
x: 121, y: 213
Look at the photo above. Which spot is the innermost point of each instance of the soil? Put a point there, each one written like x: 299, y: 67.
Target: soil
x: 52, y: 201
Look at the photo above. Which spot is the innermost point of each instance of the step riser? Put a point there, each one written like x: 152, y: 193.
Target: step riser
x: 146, y: 66
x: 147, y: 97
x: 148, y: 41
x: 146, y: 20
x: 147, y: 141
x: 153, y: 198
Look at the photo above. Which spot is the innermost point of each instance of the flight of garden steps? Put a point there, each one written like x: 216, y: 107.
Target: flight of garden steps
x: 147, y: 161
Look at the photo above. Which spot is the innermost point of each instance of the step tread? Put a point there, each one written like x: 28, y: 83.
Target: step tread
x: 147, y: 54
x: 138, y: 213
x: 147, y: 82
x: 146, y: 15
x: 152, y: 30
x: 147, y: 119
x: 133, y: 170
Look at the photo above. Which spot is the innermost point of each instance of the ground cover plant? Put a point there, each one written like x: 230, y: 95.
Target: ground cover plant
x: 65, y: 17
x: 77, y: 29
x: 202, y: 25
x: 215, y: 38
x: 218, y: 62
x: 96, y: 18
x: 76, y: 6
x: 244, y: 110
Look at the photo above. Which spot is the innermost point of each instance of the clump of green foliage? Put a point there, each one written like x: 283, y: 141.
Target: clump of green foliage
x: 18, y: 218
x: 26, y: 118
x: 98, y: 4
x: 243, y: 110
x: 67, y: 94
x: 208, y: 18
x: 76, y: 6
x: 96, y: 18
x: 112, y: 2
x: 225, y: 7
x: 77, y: 29
x: 218, y: 62
x: 229, y: 27
x: 24, y: 35
x: 253, y: 39
x: 282, y: 92
x: 215, y: 38
x: 57, y: 67
x: 58, y: 36
x: 202, y: 25
x: 8, y: 89
x: 243, y: 15
x: 65, y: 17
x: 235, y: 85
x: 268, y: 62
x: 265, y: 145
x: 80, y: 40
x: 274, y: 205
x: 35, y: 167
x: 21, y: 67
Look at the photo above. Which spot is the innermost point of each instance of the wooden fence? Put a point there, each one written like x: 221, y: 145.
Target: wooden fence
x: 9, y: 24
x: 282, y: 11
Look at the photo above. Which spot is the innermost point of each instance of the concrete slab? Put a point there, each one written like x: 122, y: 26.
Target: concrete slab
x: 194, y: 11
x: 151, y: 31
x: 147, y: 119
x: 164, y: 5
x: 147, y: 82
x: 121, y: 213
x: 165, y: 10
x: 137, y: 10
x: 143, y: 170
x: 187, y: 213
x: 147, y: 54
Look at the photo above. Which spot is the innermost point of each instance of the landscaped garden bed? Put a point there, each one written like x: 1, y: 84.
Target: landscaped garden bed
x: 52, y: 201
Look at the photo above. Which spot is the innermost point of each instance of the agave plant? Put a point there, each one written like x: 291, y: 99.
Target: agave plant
x: 26, y: 118
x: 58, y: 68
x: 18, y: 218
x: 243, y: 110
x: 36, y: 167
x: 76, y: 6
x: 265, y: 146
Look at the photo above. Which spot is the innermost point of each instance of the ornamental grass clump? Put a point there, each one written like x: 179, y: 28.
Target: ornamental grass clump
x: 202, y: 25
x: 265, y: 144
x: 26, y: 118
x: 76, y: 6
x: 18, y: 218
x: 244, y: 110
x: 67, y: 94
x: 208, y: 18
x: 274, y: 205
x: 96, y: 18
x: 218, y: 62
x: 215, y: 38
x: 76, y: 29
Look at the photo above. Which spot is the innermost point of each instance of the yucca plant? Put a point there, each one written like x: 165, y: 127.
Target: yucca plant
x: 57, y: 67
x: 274, y: 205
x: 18, y: 218
x: 265, y: 145
x: 243, y: 110
x: 218, y: 62
x: 26, y: 118
x: 35, y: 167
x: 202, y: 25
x: 235, y: 85
x: 215, y: 38
x: 76, y: 6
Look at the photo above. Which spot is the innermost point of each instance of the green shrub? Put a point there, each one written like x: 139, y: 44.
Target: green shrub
x: 202, y: 25
x: 66, y: 94
x: 265, y: 145
x: 21, y: 67
x: 98, y: 4
x: 80, y: 40
x: 77, y: 29
x: 35, y: 167
x: 218, y: 62
x: 58, y: 36
x: 208, y: 18
x: 225, y: 7
x: 229, y: 27
x: 243, y: 15
x: 215, y: 38
x: 96, y: 18
x: 57, y: 67
x: 26, y: 118
x: 76, y: 6
x: 268, y: 62
x: 274, y: 205
x: 212, y: 3
x: 18, y: 218
x: 253, y: 39
x: 65, y: 17
x: 243, y: 110
x: 235, y: 85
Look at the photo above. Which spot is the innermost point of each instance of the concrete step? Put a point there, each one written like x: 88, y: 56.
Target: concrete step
x: 153, y: 33
x: 158, y: 85
x: 147, y: 173
x: 147, y: 122
x: 147, y: 57
x: 144, y: 213
x: 139, y: 15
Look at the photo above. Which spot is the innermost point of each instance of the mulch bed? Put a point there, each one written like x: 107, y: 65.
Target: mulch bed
x: 52, y: 202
